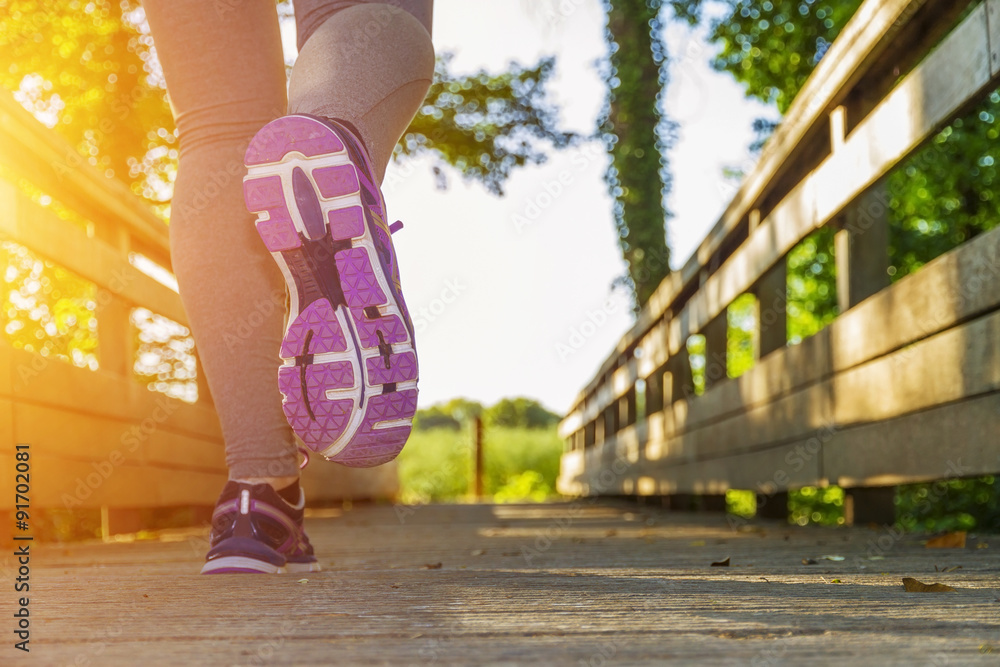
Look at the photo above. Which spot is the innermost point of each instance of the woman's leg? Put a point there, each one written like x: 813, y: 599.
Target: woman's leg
x: 369, y: 63
x: 225, y: 72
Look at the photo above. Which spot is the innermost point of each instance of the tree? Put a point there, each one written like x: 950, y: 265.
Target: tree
x: 637, y: 137
x: 519, y: 413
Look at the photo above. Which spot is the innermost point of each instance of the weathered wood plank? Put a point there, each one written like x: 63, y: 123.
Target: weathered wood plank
x: 946, y: 441
x: 43, y: 157
x: 58, y: 384
x: 93, y: 259
x: 611, y: 584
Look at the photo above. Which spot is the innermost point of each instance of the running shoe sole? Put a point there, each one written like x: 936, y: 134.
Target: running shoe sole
x: 349, y: 367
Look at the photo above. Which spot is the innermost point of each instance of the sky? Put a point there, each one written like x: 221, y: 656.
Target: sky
x: 503, y: 308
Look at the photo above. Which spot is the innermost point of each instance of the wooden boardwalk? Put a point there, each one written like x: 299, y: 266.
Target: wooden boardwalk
x: 570, y: 583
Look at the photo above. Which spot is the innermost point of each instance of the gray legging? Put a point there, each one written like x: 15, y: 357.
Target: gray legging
x: 367, y: 63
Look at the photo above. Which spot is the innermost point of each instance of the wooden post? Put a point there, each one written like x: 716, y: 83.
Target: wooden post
x: 773, y: 505
x: 716, y: 335
x: 114, y: 336
x: 654, y: 392
x: 477, y: 440
x: 682, y: 382
x: 119, y: 521
x: 772, y: 318
x: 862, y: 248
x: 864, y: 505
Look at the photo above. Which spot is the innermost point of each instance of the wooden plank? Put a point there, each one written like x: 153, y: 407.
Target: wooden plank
x: 50, y: 162
x: 959, y: 363
x: 767, y: 471
x: 953, y: 74
x: 92, y: 259
x: 993, y: 21
x: 92, y: 438
x: 610, y: 584
x: 946, y: 441
x: 58, y: 384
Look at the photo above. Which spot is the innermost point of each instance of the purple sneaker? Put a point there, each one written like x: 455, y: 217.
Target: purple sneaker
x: 349, y: 371
x: 255, y: 530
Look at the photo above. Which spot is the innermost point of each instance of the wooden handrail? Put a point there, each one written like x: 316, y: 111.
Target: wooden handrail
x: 903, y: 377
x: 36, y: 153
x: 855, y: 52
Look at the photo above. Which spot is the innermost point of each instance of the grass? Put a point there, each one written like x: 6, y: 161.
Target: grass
x: 520, y: 464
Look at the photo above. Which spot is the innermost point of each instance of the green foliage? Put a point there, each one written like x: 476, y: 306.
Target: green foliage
x: 637, y: 138
x: 453, y: 414
x: 520, y: 464
x: 812, y: 285
x: 741, y: 502
x: 946, y: 193
x: 486, y: 125
x: 507, y: 412
x: 953, y: 504
x: 86, y: 69
x: 772, y: 47
x: 741, y: 335
x: 812, y: 505
x: 48, y: 309
x: 435, y: 465
x: 519, y: 413
x: 164, y: 355
x: 696, y: 358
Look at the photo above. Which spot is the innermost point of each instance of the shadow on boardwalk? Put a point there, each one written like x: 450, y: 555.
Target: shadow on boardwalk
x: 568, y: 583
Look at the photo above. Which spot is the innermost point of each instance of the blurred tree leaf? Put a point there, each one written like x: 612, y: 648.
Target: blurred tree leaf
x: 486, y: 125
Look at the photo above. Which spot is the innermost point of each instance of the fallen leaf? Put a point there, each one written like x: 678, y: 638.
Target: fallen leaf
x: 947, y: 569
x: 721, y: 563
x: 698, y: 543
x: 432, y: 566
x: 985, y: 648
x: 808, y: 561
x: 982, y: 545
x: 954, y: 540
x: 393, y: 585
x: 610, y: 533
x: 834, y: 558
x: 836, y: 581
x: 913, y: 586
x: 876, y: 558
x: 478, y: 552
x: 303, y: 581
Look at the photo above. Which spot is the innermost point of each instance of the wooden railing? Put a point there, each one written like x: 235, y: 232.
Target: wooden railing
x: 100, y: 438
x: 902, y: 386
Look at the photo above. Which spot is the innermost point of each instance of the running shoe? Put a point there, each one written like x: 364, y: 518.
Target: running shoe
x: 349, y: 366
x: 254, y: 530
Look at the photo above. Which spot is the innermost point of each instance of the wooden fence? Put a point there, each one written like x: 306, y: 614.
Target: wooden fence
x: 903, y: 386
x: 100, y: 438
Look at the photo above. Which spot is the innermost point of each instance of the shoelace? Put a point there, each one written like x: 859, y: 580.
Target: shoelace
x: 393, y: 228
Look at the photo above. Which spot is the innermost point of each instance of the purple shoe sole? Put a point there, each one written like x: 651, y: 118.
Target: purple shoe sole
x: 349, y: 371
